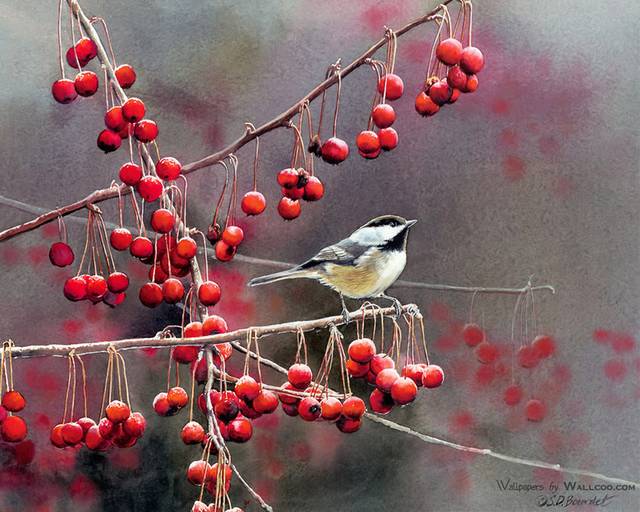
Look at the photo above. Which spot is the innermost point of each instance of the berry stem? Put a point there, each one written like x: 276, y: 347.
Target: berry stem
x: 59, y: 34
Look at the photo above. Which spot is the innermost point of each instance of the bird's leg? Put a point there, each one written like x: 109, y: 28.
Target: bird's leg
x: 345, y: 311
x: 397, y: 305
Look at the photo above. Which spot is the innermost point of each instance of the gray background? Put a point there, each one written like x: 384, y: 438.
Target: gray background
x: 536, y: 173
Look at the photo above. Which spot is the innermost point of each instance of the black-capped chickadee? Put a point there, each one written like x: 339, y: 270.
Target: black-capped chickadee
x: 359, y: 267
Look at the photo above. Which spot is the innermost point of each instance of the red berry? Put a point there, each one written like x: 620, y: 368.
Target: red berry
x: 64, y: 91
x: 86, y: 423
x: 146, y: 130
x: 293, y: 193
x: 233, y: 236
x: 425, y: 106
x: 334, y: 150
x: 209, y: 293
x: 168, y: 168
x: 472, y: 334
x: 370, y: 156
x: 135, y: 425
x: 13, y: 429
x: 380, y: 403
x: 356, y: 369
x: 227, y: 408
x: 162, y: 407
x: 106, y: 428
x: 224, y: 251
x: 197, y: 471
x: 72, y: 433
x: 455, y: 94
x: 433, y: 376
x: 56, y: 436
x: 457, y: 78
x: 172, y: 290
x: 94, y: 440
x: 289, y: 209
x: 353, y: 408
x: 253, y: 203
x: 125, y: 75
x: 388, y: 139
x: 383, y: 115
x: 117, y: 411
x: 130, y: 174
x: 247, y: 388
x: 286, y: 398
x: 362, y: 350
x: 395, y: 86
x: 13, y: 401
x: 117, y: 282
x: 192, y: 433
x: 240, y: 430
x: 368, y: 141
x: 381, y: 361
x: 472, y: 84
x: 331, y: 408
x: 151, y: 294
x: 214, y: 324
x: 86, y: 83
x: 192, y: 330
x: 449, y: 51
x: 471, y: 60
x: 512, y: 395
x: 299, y: 375
x: 386, y: 378
x: 150, y: 188
x: 73, y: 60
x: 309, y: 409
x: 75, y: 288
x: 440, y: 92
x: 486, y: 352
x: 120, y: 239
x: 141, y: 247
x: 177, y: 397
x: 86, y: 50
x: 535, y: 410
x: 109, y: 141
x: 413, y: 371
x: 60, y: 254
x: 544, y: 346
x: 404, y: 390
x: 186, y: 247
x: 288, y: 178
x: 96, y: 287
x: 347, y: 425
x: 313, y: 190
x: 266, y: 402
x: 185, y: 355
x: 527, y: 356
x: 133, y: 110
x: 162, y: 220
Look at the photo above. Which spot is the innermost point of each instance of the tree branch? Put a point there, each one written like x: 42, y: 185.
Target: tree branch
x: 277, y: 122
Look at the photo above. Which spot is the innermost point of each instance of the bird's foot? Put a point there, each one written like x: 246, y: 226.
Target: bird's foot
x: 345, y: 315
x: 397, y: 305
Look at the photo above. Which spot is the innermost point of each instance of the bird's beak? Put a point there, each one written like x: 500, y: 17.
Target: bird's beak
x: 411, y: 223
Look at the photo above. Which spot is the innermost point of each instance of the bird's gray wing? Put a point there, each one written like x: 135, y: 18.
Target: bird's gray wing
x: 344, y: 252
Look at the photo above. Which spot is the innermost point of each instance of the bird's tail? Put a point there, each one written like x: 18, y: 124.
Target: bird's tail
x: 293, y: 273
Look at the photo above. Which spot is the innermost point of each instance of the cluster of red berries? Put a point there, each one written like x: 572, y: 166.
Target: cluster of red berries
x: 119, y: 427
x: 199, y: 506
x: 200, y: 472
x: 463, y: 65
x: 13, y: 429
x: 297, y: 184
x: 95, y: 288
x: 226, y: 242
x: 379, y: 369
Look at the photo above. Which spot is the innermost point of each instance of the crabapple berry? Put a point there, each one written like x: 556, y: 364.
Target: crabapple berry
x: 486, y: 352
x: 186, y: 247
x: 209, y: 293
x: 126, y: 75
x: 331, y: 408
x: 247, y: 388
x: 288, y: 178
x: 150, y: 188
x: 535, y: 410
x: 347, y: 425
x: 151, y: 294
x: 414, y: 372
x: 362, y: 350
x: 527, y: 356
x: 425, y: 106
x: 471, y: 60
x: 72, y: 433
x: 309, y: 409
x: 380, y: 362
x: 60, y: 254
x: 353, y: 408
x: 449, y: 51
x: 433, y: 376
x: 13, y: 429
x: 472, y: 334
x: 56, y: 436
x: 86, y: 83
x: 64, y: 91
x: 214, y: 324
x: 457, y: 78
x: 13, y: 401
x: 313, y: 190
x: 240, y: 430
x: 130, y: 174
x: 472, y: 84
x: 299, y: 375
x: 162, y: 407
x: 233, y: 235
x: 117, y: 411
x: 383, y: 115
x: 162, y: 220
x: 86, y: 50
x: 266, y: 402
x: 135, y: 425
x: 141, y: 247
x: 368, y: 141
x: 94, y: 440
x: 172, y: 290
x: 544, y: 346
x: 388, y: 139
x: 224, y: 251
x: 133, y: 110
x: 386, y: 378
x: 120, y: 239
x: 394, y: 86
x: 197, y: 471
x: 334, y: 150
x: 146, y: 130
x: 192, y: 433
x: 75, y: 288
x: 512, y: 395
x: 253, y: 203
x: 177, y: 397
x: 168, y: 168
x: 289, y: 209
x: 440, y: 92
x: 356, y: 369
x: 381, y: 403
x: 117, y: 282
x: 108, y: 141
x: 403, y: 390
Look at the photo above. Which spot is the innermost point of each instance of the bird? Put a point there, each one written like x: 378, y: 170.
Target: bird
x: 362, y: 266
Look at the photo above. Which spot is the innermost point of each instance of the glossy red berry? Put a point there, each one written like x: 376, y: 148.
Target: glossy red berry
x: 141, y: 247
x: 353, y: 408
x: 72, y: 433
x: 512, y: 395
x: 368, y: 141
x: 197, y: 471
x: 126, y: 75
x: 394, y: 84
x: 386, y: 378
x: 347, y: 425
x: 247, y: 388
x: 433, y: 376
x: 130, y: 174
x: 288, y: 178
x: 86, y: 50
x: 86, y: 423
x: 383, y: 115
x: 224, y: 251
x: 172, y: 290
x: 146, y: 130
x: 457, y: 78
x: 544, y: 345
x: 60, y: 254
x: 214, y: 324
x: 162, y: 407
x: 226, y: 406
x: 425, y: 106
x: 177, y: 397
x: 151, y: 295
x: 117, y: 282
x: 299, y: 375
x: 413, y: 371
x: 168, y: 168
x: 293, y: 193
x: 186, y: 247
x: 404, y: 390
x: 86, y: 83
x: 192, y: 433
x: 309, y: 409
x: 56, y: 436
x: 356, y: 369
x: 472, y: 84
x: 471, y: 60
x: 253, y: 203
x: 117, y: 411
x: 286, y: 398
x: 449, y: 51
x: 109, y: 141
x: 334, y: 150
x: 440, y: 92
x: 135, y: 425
x: 120, y: 239
x: 75, y: 288
x: 150, y: 188
x: 13, y: 429
x: 96, y: 287
x: 330, y: 408
x: 381, y: 361
x: 535, y: 410
x: 106, y: 428
x: 362, y: 350
x: 64, y: 91
x: 94, y: 440
x: 388, y: 139
x: 162, y: 220
x: 209, y: 293
x: 133, y: 110
x: 233, y: 235
x: 313, y: 190
x: 380, y: 403
x: 266, y: 402
x: 240, y: 430
x: 13, y: 401
x: 472, y: 334
x: 289, y: 209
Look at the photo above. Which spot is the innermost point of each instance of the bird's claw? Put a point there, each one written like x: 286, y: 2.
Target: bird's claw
x: 345, y: 315
x: 397, y: 306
